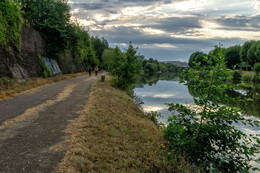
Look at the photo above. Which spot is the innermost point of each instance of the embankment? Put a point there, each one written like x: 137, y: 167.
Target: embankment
x: 114, y: 135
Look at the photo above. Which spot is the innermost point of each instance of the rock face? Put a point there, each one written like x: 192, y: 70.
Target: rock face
x: 67, y: 64
x: 26, y: 63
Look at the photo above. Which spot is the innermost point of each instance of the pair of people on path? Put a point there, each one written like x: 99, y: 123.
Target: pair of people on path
x: 90, y: 69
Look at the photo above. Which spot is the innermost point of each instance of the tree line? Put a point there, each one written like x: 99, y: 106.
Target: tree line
x: 244, y: 57
x: 52, y: 19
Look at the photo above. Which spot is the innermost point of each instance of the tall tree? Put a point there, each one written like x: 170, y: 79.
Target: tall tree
x: 232, y: 56
x: 253, y: 54
x: 244, y: 49
x: 52, y: 18
x: 99, y: 46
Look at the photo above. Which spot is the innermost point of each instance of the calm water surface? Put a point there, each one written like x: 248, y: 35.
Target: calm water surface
x: 155, y: 92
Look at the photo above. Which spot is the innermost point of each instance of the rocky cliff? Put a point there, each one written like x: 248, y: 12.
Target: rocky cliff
x: 24, y: 64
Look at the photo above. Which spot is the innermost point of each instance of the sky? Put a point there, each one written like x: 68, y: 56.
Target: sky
x: 170, y: 30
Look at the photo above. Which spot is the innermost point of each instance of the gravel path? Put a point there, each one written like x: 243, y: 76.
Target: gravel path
x: 32, y: 125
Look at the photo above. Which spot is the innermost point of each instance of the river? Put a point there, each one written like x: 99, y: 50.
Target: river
x: 157, y: 90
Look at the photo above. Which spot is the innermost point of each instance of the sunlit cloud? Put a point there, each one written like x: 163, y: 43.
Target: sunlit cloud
x: 170, y: 29
x: 75, y: 11
x: 163, y: 96
x: 153, y: 108
x: 188, y: 6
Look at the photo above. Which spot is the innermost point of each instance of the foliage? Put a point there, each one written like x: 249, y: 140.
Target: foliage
x: 6, y: 82
x: 99, y: 46
x: 253, y: 53
x: 46, y: 71
x: 197, y: 58
x: 236, y: 76
x: 257, y: 68
x: 52, y: 18
x: 10, y: 24
x: 244, y: 50
x: 107, y: 58
x: 152, y: 66
x: 81, y: 46
x: 154, y: 116
x: 125, y: 68
x: 232, y: 55
x: 207, y: 135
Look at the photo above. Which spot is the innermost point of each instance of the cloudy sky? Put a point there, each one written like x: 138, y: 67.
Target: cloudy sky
x: 170, y: 29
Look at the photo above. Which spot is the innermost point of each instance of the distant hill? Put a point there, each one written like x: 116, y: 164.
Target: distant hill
x: 178, y: 63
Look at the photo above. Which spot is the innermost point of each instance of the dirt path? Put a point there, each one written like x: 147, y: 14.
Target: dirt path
x: 32, y: 125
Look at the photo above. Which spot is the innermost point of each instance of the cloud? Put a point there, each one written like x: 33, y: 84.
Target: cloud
x: 170, y: 29
x: 246, y: 23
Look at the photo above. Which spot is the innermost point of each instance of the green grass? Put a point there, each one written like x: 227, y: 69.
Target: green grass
x: 114, y: 135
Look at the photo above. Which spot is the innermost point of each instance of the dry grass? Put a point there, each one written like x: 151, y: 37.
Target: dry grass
x: 249, y: 73
x: 14, y: 88
x: 114, y: 135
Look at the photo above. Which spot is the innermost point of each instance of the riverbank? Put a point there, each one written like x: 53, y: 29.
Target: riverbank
x: 10, y: 87
x: 114, y: 135
x: 249, y: 76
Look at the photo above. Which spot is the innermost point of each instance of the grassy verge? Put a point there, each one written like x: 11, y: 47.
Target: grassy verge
x: 114, y: 135
x: 10, y: 87
x: 249, y: 76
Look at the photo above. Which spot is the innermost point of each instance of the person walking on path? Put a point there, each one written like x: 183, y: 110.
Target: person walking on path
x: 89, y: 70
x: 96, y: 70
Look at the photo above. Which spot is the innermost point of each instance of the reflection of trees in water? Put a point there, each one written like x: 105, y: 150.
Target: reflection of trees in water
x: 250, y: 107
x: 153, y: 79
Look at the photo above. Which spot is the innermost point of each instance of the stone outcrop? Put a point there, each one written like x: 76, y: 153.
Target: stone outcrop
x: 24, y: 64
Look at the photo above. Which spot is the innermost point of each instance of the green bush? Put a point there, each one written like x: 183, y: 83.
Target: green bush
x: 256, y: 79
x: 6, y: 82
x: 257, y: 68
x: 10, y: 24
x: 247, y: 78
x: 126, y: 66
x: 207, y: 135
x: 46, y: 71
x: 237, y: 76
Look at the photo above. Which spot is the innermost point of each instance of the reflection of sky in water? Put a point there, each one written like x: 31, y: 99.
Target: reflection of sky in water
x: 243, y: 92
x: 154, y: 98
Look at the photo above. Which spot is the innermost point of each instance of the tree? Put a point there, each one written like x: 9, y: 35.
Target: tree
x: 52, y: 18
x: 126, y: 68
x: 10, y: 25
x: 257, y: 69
x: 232, y: 55
x: 150, y: 68
x: 99, y: 46
x: 207, y: 134
x: 197, y: 57
x: 107, y: 57
x: 253, y: 54
x: 244, y: 49
x: 192, y: 58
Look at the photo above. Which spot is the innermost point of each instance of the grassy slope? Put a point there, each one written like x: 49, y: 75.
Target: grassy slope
x: 114, y: 135
x: 13, y: 88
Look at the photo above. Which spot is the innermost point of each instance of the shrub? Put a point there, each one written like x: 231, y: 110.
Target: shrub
x: 257, y: 68
x: 10, y: 24
x: 6, y: 82
x: 237, y: 76
x: 207, y: 135
x: 247, y: 78
x: 46, y: 71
